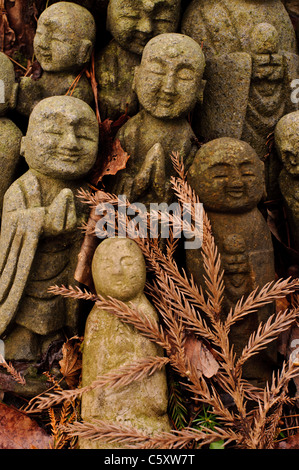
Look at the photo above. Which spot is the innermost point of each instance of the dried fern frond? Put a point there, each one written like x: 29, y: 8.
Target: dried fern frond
x: 17, y: 376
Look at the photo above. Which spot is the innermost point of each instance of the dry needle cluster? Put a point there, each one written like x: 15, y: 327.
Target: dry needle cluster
x: 191, y: 314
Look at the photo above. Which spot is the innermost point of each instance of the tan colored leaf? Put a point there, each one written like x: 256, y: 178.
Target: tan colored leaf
x: 19, y: 431
x: 200, y: 357
x: 71, y: 362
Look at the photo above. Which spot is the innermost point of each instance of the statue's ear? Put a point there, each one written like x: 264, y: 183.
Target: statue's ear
x: 13, y: 96
x: 85, y: 51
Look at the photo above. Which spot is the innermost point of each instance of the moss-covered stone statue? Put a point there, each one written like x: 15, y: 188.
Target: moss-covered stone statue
x: 10, y: 134
x: 287, y: 144
x: 225, y: 26
x: 63, y: 44
x: 167, y: 83
x: 132, y: 23
x: 228, y: 177
x: 119, y: 271
x: 250, y: 49
x: 40, y: 239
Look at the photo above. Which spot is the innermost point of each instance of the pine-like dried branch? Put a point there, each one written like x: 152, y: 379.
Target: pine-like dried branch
x: 149, y: 328
x: 130, y: 437
x: 259, y: 298
x: 116, y: 378
x: 266, y: 333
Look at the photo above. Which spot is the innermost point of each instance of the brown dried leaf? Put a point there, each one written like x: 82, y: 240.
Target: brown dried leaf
x: 71, y: 362
x: 112, y: 157
x: 200, y: 357
x: 18, y: 431
x: 291, y: 442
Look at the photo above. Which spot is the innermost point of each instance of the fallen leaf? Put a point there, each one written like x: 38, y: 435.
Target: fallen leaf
x: 19, y: 431
x: 112, y: 156
x: 200, y: 357
x: 291, y: 442
x: 71, y: 362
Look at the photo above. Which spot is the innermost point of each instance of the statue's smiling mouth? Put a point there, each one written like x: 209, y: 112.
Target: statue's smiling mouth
x: 68, y: 157
x: 235, y: 193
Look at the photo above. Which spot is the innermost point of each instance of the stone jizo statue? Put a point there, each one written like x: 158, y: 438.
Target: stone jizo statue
x: 224, y: 26
x: 132, y: 23
x: 251, y: 55
x: 40, y: 239
x: 167, y: 83
x: 118, y: 270
x: 10, y: 134
x: 63, y: 44
x: 228, y: 177
x: 287, y: 144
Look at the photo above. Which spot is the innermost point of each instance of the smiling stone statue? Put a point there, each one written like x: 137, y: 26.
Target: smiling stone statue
x: 118, y: 269
x: 63, y: 44
x: 167, y: 84
x: 228, y: 177
x: 132, y: 24
x: 40, y: 240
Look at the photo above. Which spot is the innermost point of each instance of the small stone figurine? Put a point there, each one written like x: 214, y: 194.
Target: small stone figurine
x: 10, y: 134
x: 228, y: 177
x: 252, y: 60
x: 132, y: 24
x: 118, y: 270
x: 40, y: 239
x: 224, y: 26
x: 287, y: 144
x: 167, y: 83
x: 63, y: 44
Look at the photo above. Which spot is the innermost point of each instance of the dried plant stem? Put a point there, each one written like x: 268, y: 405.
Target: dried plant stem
x: 12, y: 371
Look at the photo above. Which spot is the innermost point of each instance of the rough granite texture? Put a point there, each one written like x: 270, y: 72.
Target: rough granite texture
x: 63, y: 44
x: 132, y: 24
x: 10, y: 134
x: 119, y: 271
x: 167, y: 83
x: 251, y: 54
x: 40, y: 240
x: 287, y: 144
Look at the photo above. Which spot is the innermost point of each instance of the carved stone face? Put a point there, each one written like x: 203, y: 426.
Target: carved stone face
x: 264, y: 39
x: 8, y: 86
x: 227, y: 175
x: 133, y: 23
x: 287, y: 142
x: 62, y: 138
x: 64, y: 37
x: 168, y: 80
x: 118, y: 269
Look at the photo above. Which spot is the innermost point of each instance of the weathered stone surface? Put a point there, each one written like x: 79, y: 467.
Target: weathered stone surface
x: 287, y: 144
x: 10, y: 134
x: 118, y: 269
x: 224, y: 26
x: 40, y: 240
x: 132, y: 24
x: 63, y: 43
x: 228, y: 177
x: 167, y: 83
x: 251, y: 61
